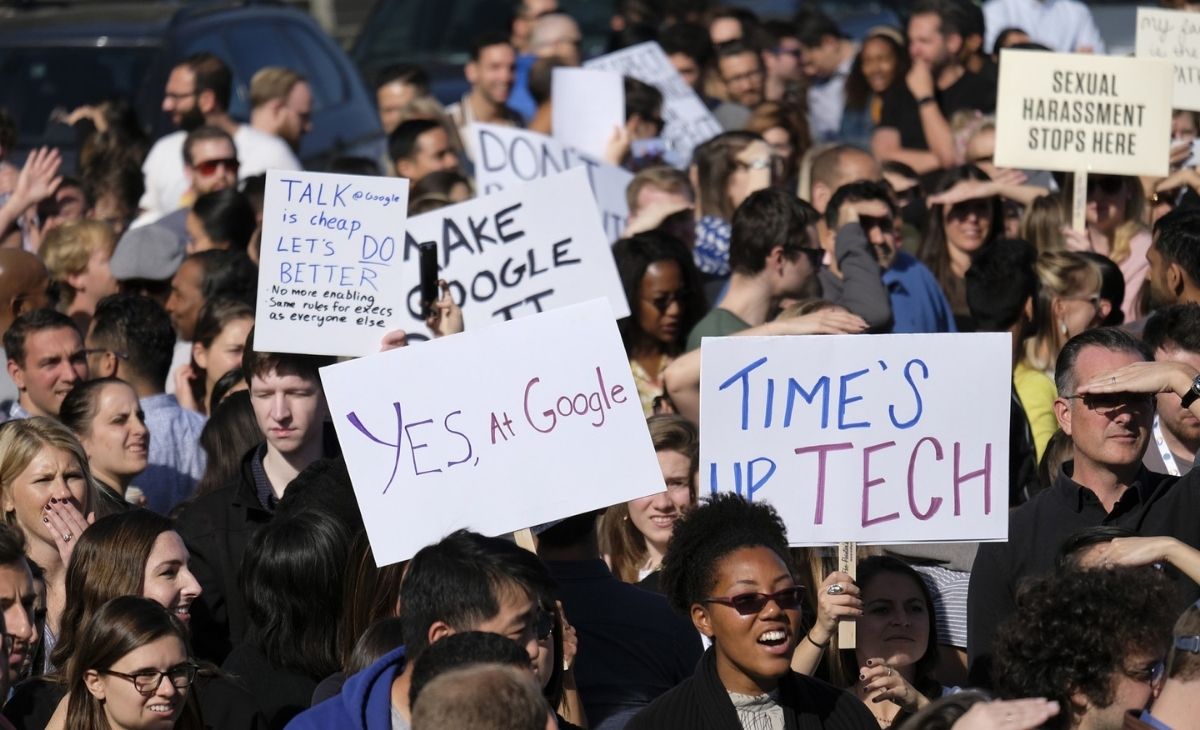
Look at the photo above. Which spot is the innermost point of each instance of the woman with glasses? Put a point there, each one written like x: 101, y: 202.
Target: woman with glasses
x: 634, y: 534
x: 665, y: 299
x: 107, y: 417
x: 1068, y: 303
x: 132, y: 671
x: 785, y: 130
x: 135, y: 553
x: 729, y: 570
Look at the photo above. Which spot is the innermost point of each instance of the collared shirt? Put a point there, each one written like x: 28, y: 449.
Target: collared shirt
x: 1155, y: 504
x: 262, y: 484
x: 826, y: 101
x: 16, y: 412
x: 176, y: 459
x: 1062, y: 25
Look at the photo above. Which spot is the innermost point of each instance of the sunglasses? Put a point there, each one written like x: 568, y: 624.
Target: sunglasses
x: 1105, y: 403
x: 1107, y: 184
x: 884, y: 224
x: 208, y: 167
x: 747, y: 604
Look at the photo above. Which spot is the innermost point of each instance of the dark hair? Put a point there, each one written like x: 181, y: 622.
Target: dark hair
x: 463, y: 650
x: 230, y: 432
x: 12, y: 545
x: 224, y: 384
x: 1001, y: 279
x: 458, y: 581
x: 227, y: 273
x: 122, y: 625
x: 944, y: 712
x: 201, y: 133
x: 291, y: 579
x: 812, y: 26
x: 214, y: 317
x: 1073, y: 629
x: 323, y: 486
x: 715, y: 161
x: 79, y: 407
x: 438, y: 182
x: 381, y: 637
x: 1002, y: 37
x: 1112, y: 286
x: 1177, y: 238
x: 227, y: 217
x: 541, y: 78
x: 139, y: 327
x: 117, y: 177
x: 951, y: 14
x: 687, y: 39
x: 405, y: 73
x: 633, y: 257
x: 38, y: 320
x: 211, y: 75
x: 1079, y: 541
x: 108, y: 561
x: 857, y: 89
x: 856, y: 192
x: 1059, y: 450
x: 372, y: 595
x: 766, y: 219
x: 703, y: 536
x: 487, y: 40
x: 402, y: 142
x: 8, y: 131
x: 350, y: 165
x: 642, y: 99
x: 256, y: 363
x: 738, y: 48
x: 1108, y: 338
x: 1176, y: 327
x: 934, y: 250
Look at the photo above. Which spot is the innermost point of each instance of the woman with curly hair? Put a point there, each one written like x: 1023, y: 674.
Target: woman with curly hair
x: 729, y: 569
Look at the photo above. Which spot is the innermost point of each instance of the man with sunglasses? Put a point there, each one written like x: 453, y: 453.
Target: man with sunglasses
x: 466, y: 582
x: 1106, y: 382
x: 210, y: 163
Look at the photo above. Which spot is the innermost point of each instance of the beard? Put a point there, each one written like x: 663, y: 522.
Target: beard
x: 192, y: 119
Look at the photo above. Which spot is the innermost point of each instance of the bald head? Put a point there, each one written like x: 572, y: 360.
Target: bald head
x: 557, y: 35
x: 23, y: 282
x: 838, y: 166
x: 482, y: 697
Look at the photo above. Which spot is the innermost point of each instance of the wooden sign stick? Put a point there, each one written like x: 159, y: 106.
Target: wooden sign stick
x: 1079, y: 202
x: 847, y: 563
x: 524, y: 539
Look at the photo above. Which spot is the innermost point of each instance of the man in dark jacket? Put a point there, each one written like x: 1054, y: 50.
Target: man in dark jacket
x: 289, y: 406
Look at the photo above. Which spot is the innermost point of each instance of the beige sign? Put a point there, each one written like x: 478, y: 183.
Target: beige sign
x: 1078, y: 112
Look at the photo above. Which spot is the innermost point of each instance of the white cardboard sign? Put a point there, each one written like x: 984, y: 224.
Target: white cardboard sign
x: 328, y: 262
x: 589, y: 106
x: 553, y: 430
x: 507, y: 157
x: 688, y: 121
x: 880, y: 439
x: 1083, y: 113
x: 1175, y: 36
x: 513, y: 253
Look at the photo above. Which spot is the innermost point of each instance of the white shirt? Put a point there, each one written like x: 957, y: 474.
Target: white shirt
x: 1061, y: 25
x: 166, y: 183
x: 826, y: 102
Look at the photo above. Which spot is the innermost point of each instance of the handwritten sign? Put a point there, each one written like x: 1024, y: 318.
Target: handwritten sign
x: 589, y: 106
x: 880, y: 439
x: 1175, y: 36
x: 328, y: 262
x: 1077, y: 112
x: 553, y: 430
x: 516, y: 252
x: 509, y: 157
x: 688, y: 121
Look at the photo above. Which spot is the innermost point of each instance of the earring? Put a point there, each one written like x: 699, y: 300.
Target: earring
x: 1062, y: 328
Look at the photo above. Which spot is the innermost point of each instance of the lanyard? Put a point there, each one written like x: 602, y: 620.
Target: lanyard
x: 1167, y: 457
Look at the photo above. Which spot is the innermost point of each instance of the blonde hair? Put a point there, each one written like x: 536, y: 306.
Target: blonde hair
x: 23, y: 439
x: 1043, y: 222
x: 1060, y: 274
x: 68, y: 247
x: 272, y: 83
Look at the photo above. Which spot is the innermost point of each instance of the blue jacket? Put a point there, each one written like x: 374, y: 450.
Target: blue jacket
x: 365, y: 702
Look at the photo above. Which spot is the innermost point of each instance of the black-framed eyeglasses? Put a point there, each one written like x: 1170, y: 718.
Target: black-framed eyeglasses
x: 147, y: 682
x: 1151, y: 675
x: 663, y: 302
x: 102, y: 350
x: 1105, y: 403
x: 747, y: 604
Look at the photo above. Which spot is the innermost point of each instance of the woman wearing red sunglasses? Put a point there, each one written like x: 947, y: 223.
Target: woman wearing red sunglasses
x: 728, y: 569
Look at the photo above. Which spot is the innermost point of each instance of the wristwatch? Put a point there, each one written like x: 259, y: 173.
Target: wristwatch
x: 1193, y: 393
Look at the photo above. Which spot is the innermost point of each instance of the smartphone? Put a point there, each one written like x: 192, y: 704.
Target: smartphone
x: 429, y: 276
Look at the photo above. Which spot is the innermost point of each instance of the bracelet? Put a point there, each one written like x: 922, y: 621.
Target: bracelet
x: 822, y: 647
x: 926, y: 100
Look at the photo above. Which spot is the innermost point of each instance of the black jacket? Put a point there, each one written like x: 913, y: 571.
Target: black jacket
x: 216, y: 528
x: 702, y: 703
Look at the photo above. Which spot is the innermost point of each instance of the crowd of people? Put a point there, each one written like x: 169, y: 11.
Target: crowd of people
x: 182, y: 547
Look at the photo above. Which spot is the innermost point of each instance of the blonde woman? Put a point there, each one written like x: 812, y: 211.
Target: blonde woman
x: 1116, y: 208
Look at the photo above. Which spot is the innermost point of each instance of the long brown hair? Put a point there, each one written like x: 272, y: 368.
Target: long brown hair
x: 620, y: 539
x: 715, y: 161
x: 120, y: 626
x: 371, y: 593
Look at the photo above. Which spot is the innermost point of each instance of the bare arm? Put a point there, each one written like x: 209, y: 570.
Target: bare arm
x: 885, y: 146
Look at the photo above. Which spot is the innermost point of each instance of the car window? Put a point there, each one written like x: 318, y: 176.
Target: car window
x: 444, y: 30
x: 39, y: 80
x: 310, y: 55
x: 211, y: 39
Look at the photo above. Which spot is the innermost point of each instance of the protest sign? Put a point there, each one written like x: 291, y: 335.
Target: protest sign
x: 1175, y: 36
x: 589, y: 107
x: 881, y: 439
x: 327, y: 262
x: 688, y: 121
x: 508, y: 157
x: 553, y: 430
x: 516, y: 252
x: 1077, y: 112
